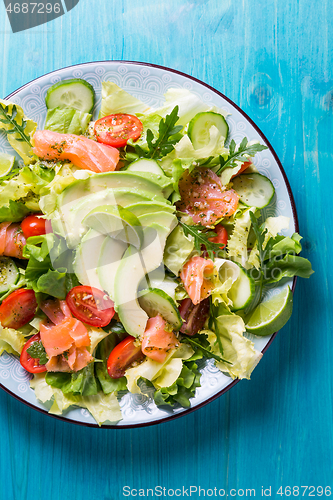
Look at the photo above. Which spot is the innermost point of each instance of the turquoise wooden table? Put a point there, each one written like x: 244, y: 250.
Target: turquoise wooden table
x: 275, y: 60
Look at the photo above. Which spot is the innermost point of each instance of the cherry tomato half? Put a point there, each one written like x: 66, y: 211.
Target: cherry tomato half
x: 194, y: 316
x: 90, y: 305
x: 122, y: 356
x: 33, y: 226
x: 18, y: 308
x: 115, y: 130
x: 31, y: 364
x: 222, y: 236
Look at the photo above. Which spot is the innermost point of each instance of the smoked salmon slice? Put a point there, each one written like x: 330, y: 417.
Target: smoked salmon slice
x: 195, y: 275
x: 82, y: 152
x: 12, y: 240
x: 56, y: 310
x: 158, y: 340
x: 68, y: 336
x: 204, y: 198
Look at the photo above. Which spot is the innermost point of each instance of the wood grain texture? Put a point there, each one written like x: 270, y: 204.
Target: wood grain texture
x: 274, y: 59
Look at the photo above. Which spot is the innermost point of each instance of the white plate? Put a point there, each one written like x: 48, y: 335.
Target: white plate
x: 148, y: 83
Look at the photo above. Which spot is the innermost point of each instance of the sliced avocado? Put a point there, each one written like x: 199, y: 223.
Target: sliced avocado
x: 68, y: 220
x: 116, y: 222
x: 85, y: 263
x: 131, y: 271
x: 162, y: 218
x: 109, y: 260
x: 149, y: 207
x: 162, y: 180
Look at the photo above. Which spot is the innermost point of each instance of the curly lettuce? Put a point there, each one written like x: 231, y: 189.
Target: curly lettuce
x: 238, y: 351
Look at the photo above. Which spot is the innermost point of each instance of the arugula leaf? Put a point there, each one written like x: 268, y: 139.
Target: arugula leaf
x: 277, y: 259
x: 37, y: 351
x: 195, y: 343
x: 167, y: 137
x: 260, y: 235
x: 18, y: 129
x: 201, y: 238
x: 10, y: 118
x: 241, y: 154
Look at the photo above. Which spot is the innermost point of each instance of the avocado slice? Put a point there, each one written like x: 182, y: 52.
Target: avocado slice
x: 85, y: 263
x: 133, y: 268
x: 109, y: 259
x: 67, y: 221
x: 162, y: 218
x: 149, y: 207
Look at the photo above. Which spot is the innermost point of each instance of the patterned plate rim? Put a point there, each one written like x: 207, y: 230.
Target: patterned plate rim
x: 295, y: 217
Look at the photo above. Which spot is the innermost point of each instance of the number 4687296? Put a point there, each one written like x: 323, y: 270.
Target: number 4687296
x: 33, y: 7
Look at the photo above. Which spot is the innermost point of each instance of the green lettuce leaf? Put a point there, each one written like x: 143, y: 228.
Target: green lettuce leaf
x: 160, y: 374
x: 287, y: 267
x: 182, y: 390
x: 281, y: 245
x: 67, y: 121
x: 109, y: 385
x: 19, y: 129
x: 46, y: 272
x: 189, y: 105
x: 43, y: 391
x: 227, y: 272
x: 104, y: 408
x: 184, y: 148
x: 237, y: 243
x: 13, y: 338
x: 177, y: 250
x: 53, y: 283
x: 81, y: 383
x: 150, y: 122
x: 239, y: 351
x: 117, y: 100
x: 19, y: 195
x: 14, y: 212
x: 49, y: 195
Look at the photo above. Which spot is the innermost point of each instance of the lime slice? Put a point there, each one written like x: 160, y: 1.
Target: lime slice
x: 271, y: 315
x: 116, y: 222
x: 6, y: 163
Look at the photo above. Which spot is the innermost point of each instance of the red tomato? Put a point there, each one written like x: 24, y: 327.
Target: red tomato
x: 31, y: 364
x: 122, y: 356
x: 18, y: 308
x: 222, y: 236
x: 90, y: 305
x: 33, y: 226
x: 194, y: 316
x: 245, y: 165
x: 115, y: 130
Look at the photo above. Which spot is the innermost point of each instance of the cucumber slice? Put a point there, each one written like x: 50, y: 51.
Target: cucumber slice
x: 199, y: 126
x: 255, y: 190
x: 242, y: 291
x: 74, y: 93
x: 9, y: 274
x: 155, y: 301
x: 143, y: 165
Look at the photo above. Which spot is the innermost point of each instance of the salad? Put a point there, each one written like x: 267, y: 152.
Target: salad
x: 132, y: 246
